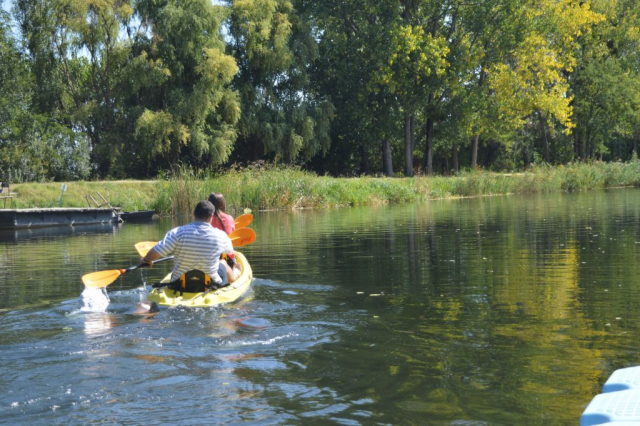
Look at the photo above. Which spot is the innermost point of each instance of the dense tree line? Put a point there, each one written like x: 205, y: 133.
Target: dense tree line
x: 128, y: 88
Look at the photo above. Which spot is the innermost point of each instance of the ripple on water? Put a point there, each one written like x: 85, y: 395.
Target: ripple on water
x: 266, y: 342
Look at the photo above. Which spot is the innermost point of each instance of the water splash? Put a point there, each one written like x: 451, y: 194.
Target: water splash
x: 94, y: 300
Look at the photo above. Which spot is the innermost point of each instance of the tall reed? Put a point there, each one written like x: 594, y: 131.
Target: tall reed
x: 270, y: 187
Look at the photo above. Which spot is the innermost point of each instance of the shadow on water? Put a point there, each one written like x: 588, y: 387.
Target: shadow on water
x: 26, y: 234
x: 502, y: 310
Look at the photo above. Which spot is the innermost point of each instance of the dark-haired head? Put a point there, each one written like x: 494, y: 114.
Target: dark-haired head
x: 203, y: 211
x: 217, y: 200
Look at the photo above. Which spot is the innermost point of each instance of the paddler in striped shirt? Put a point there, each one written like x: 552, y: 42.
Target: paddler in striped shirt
x: 196, y: 246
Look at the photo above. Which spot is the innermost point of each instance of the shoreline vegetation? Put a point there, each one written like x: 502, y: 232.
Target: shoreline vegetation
x: 279, y: 188
x: 124, y: 89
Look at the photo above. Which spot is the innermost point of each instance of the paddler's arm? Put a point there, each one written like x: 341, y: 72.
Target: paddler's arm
x: 162, y: 248
x: 151, y: 257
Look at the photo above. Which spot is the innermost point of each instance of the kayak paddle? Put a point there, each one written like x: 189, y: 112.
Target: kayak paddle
x: 244, y: 220
x: 239, y: 238
x: 102, y: 279
x: 242, y: 237
x: 143, y: 247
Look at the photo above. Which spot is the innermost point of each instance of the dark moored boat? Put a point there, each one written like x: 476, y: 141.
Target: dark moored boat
x: 137, y: 216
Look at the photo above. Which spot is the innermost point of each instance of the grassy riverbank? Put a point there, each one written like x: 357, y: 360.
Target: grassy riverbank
x: 128, y: 194
x: 288, y: 188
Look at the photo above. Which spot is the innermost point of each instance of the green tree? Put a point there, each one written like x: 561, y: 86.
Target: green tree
x: 416, y: 60
x: 283, y: 118
x: 148, y: 82
x: 533, y: 80
x: 77, y: 55
x: 178, y: 83
x: 606, y: 84
x: 33, y: 146
x: 350, y: 42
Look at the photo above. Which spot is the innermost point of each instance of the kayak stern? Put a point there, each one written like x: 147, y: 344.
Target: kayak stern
x: 166, y: 297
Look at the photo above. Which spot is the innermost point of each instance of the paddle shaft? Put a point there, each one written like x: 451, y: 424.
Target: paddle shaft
x: 142, y: 265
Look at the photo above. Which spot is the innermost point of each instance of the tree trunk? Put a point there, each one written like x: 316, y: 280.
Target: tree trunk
x: 387, y: 164
x: 476, y: 138
x: 254, y: 148
x: 408, y: 146
x: 406, y: 11
x: 545, y: 140
x: 525, y: 157
x: 585, y: 147
x: 412, y: 124
x: 474, y: 151
x: 454, y: 157
x: 364, y: 160
x: 97, y: 154
x: 429, y: 157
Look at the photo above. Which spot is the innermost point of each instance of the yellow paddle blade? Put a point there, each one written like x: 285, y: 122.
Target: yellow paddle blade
x: 244, y: 220
x: 242, y: 237
x: 101, y: 278
x: 143, y: 247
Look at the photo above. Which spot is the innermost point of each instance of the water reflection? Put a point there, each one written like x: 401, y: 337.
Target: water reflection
x: 500, y: 296
x: 25, y: 234
x: 502, y: 310
x: 99, y: 324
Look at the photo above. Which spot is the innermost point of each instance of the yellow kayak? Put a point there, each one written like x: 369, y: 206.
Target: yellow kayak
x: 166, y: 297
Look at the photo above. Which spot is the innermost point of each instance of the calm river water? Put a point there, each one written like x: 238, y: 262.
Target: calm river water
x: 507, y: 310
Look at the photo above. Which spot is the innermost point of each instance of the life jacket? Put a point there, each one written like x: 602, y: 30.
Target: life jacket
x: 193, y: 281
x: 196, y: 281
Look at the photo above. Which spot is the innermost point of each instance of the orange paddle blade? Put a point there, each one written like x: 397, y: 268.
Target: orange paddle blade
x: 101, y: 278
x: 244, y: 220
x: 143, y: 247
x: 242, y: 237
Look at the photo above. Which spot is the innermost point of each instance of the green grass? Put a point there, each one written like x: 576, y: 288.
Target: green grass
x: 129, y: 194
x: 270, y: 188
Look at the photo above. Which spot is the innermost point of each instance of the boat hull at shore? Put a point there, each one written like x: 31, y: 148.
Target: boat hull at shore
x: 41, y: 218
x: 138, y: 216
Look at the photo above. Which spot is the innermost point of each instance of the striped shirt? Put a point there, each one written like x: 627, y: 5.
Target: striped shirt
x: 197, y: 245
